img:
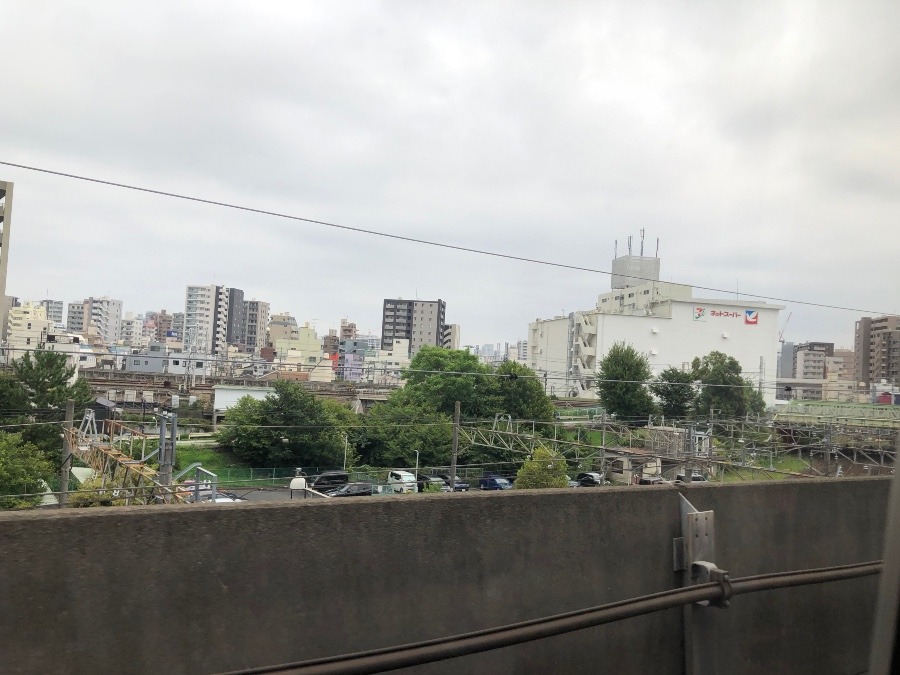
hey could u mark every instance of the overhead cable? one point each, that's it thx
(416, 240)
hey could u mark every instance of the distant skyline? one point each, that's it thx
(758, 141)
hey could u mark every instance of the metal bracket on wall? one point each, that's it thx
(692, 555)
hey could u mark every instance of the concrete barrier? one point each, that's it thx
(206, 588)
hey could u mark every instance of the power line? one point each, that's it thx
(416, 240)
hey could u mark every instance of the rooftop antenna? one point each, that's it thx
(642, 242)
(657, 247)
(629, 244)
(616, 249)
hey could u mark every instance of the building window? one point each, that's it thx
(137, 362)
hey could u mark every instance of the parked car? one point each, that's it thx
(651, 480)
(358, 489)
(402, 481)
(590, 479)
(494, 483)
(458, 485)
(425, 481)
(328, 480)
(695, 478)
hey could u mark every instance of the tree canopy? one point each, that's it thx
(22, 468)
(419, 416)
(37, 391)
(48, 381)
(290, 427)
(722, 388)
(544, 469)
(675, 390)
(621, 387)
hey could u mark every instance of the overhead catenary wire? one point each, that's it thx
(415, 240)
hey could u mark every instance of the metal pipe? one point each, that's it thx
(402, 656)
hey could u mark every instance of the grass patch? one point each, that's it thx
(213, 459)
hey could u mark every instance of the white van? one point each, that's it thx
(402, 481)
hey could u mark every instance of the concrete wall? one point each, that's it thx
(203, 588)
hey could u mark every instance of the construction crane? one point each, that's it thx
(781, 333)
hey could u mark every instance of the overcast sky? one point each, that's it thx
(759, 141)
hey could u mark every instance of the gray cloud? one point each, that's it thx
(758, 141)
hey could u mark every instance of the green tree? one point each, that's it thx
(22, 468)
(35, 397)
(437, 378)
(398, 427)
(722, 388)
(48, 381)
(543, 469)
(521, 394)
(622, 390)
(675, 390)
(290, 427)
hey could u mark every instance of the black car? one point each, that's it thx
(458, 485)
(352, 490)
(329, 480)
(590, 479)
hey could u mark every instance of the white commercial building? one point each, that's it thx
(662, 321)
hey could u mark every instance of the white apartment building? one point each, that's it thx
(101, 316)
(661, 320)
(206, 319)
(451, 336)
(385, 366)
(105, 314)
(27, 326)
(30, 329)
(54, 309)
(131, 333)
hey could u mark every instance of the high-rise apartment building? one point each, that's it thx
(54, 309)
(75, 317)
(422, 322)
(450, 339)
(877, 349)
(206, 319)
(101, 316)
(810, 360)
(105, 315)
(256, 323)
(234, 331)
(6, 195)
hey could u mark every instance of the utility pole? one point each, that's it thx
(762, 368)
(455, 447)
(167, 449)
(66, 453)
